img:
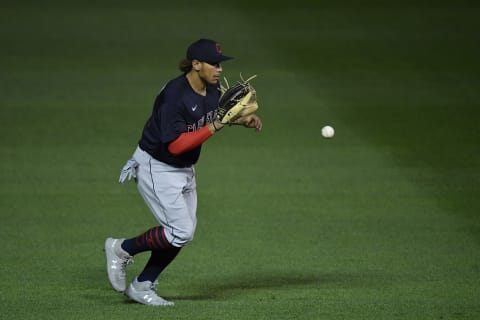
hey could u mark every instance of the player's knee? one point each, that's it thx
(184, 235)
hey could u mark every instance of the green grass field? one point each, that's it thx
(380, 222)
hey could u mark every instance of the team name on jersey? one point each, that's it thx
(203, 121)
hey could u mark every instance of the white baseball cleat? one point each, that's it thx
(144, 292)
(117, 262)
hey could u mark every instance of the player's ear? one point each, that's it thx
(196, 65)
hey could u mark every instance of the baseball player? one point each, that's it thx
(184, 116)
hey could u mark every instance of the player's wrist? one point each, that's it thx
(217, 125)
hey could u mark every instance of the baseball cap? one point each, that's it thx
(206, 50)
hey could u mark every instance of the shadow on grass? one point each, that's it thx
(225, 288)
(228, 287)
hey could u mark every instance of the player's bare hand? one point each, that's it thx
(251, 121)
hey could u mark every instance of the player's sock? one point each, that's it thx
(158, 261)
(151, 240)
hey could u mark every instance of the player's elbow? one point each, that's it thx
(175, 149)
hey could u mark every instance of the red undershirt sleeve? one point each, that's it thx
(189, 140)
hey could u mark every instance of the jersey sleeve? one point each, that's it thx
(172, 120)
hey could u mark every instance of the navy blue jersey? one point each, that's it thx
(178, 109)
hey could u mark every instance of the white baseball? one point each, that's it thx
(328, 132)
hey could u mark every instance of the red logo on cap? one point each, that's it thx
(217, 46)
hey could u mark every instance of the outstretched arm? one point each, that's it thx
(250, 121)
(190, 140)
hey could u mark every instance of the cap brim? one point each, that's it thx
(225, 58)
